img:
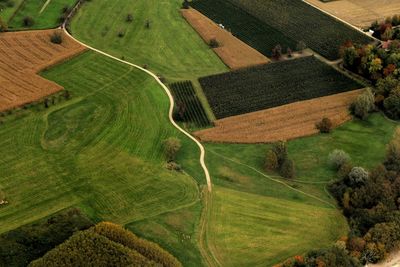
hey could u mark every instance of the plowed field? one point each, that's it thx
(281, 123)
(22, 56)
(360, 13)
(232, 51)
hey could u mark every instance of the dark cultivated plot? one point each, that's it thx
(273, 85)
(302, 22)
(246, 27)
(188, 105)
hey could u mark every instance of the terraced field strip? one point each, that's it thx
(281, 123)
(273, 85)
(302, 22)
(189, 108)
(23, 54)
(244, 26)
(360, 13)
(232, 51)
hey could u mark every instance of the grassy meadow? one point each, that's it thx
(100, 151)
(43, 19)
(169, 47)
(260, 219)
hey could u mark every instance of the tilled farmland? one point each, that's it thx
(232, 51)
(273, 85)
(23, 55)
(281, 123)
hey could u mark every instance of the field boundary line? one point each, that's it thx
(273, 179)
(171, 100)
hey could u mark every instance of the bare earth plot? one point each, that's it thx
(360, 13)
(22, 56)
(281, 123)
(232, 51)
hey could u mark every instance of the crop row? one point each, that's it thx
(273, 85)
(188, 106)
(244, 26)
(302, 22)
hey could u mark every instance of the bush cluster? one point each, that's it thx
(371, 203)
(277, 159)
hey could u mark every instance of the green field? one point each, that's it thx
(170, 46)
(43, 19)
(261, 219)
(101, 150)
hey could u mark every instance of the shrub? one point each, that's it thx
(213, 43)
(280, 150)
(56, 38)
(129, 18)
(185, 4)
(325, 125)
(392, 162)
(171, 148)
(121, 34)
(3, 26)
(338, 158)
(271, 161)
(28, 21)
(287, 169)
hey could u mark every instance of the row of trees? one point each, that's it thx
(388, 29)
(107, 244)
(382, 67)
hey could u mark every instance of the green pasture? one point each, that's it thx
(101, 150)
(170, 47)
(49, 17)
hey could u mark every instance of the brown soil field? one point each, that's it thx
(22, 56)
(281, 123)
(232, 51)
(360, 13)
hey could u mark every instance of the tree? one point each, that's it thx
(364, 104)
(213, 43)
(271, 161)
(301, 46)
(129, 18)
(375, 65)
(358, 176)
(277, 52)
(56, 38)
(171, 148)
(392, 104)
(28, 21)
(386, 86)
(147, 24)
(350, 55)
(287, 169)
(280, 150)
(185, 4)
(338, 158)
(325, 125)
(392, 162)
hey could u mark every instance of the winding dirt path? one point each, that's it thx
(171, 108)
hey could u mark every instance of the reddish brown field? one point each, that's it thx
(281, 123)
(232, 51)
(22, 56)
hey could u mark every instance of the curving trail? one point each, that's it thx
(171, 108)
